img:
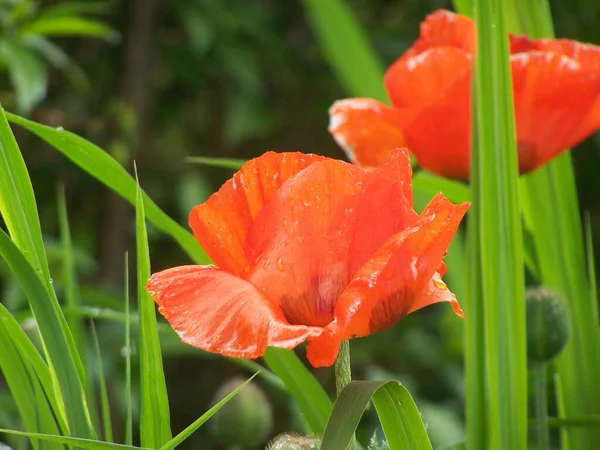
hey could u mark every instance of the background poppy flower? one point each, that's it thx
(308, 248)
(556, 92)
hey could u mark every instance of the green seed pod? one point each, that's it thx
(547, 325)
(246, 419)
(294, 441)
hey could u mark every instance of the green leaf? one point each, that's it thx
(398, 414)
(155, 427)
(27, 73)
(108, 171)
(127, 347)
(427, 182)
(346, 48)
(68, 26)
(226, 163)
(200, 421)
(551, 213)
(311, 398)
(500, 244)
(50, 328)
(80, 443)
(104, 405)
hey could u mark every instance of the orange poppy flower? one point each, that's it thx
(308, 248)
(556, 91)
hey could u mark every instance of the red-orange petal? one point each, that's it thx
(393, 282)
(221, 224)
(321, 227)
(218, 312)
(366, 130)
(444, 28)
(432, 92)
(553, 97)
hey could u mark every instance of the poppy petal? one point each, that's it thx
(323, 225)
(366, 130)
(218, 312)
(587, 55)
(393, 282)
(432, 92)
(553, 98)
(436, 292)
(444, 28)
(222, 222)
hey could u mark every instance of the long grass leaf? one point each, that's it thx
(155, 429)
(346, 47)
(108, 171)
(104, 405)
(127, 356)
(398, 414)
(203, 418)
(551, 213)
(501, 238)
(56, 342)
(79, 442)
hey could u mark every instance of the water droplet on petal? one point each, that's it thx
(280, 265)
(439, 284)
(429, 293)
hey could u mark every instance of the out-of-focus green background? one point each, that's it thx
(158, 81)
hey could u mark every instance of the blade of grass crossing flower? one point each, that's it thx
(398, 414)
(155, 428)
(225, 163)
(108, 171)
(57, 346)
(104, 405)
(501, 234)
(313, 401)
(127, 355)
(79, 442)
(464, 7)
(551, 212)
(346, 47)
(203, 418)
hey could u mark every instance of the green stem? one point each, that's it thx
(343, 376)
(343, 371)
(541, 406)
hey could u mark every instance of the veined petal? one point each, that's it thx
(221, 224)
(554, 96)
(432, 91)
(321, 227)
(218, 312)
(393, 282)
(444, 28)
(366, 130)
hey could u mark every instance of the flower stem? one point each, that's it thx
(343, 372)
(541, 406)
(343, 376)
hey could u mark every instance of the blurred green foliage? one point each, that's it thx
(218, 79)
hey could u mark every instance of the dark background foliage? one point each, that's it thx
(226, 78)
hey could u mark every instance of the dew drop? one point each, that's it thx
(280, 265)
(429, 293)
(440, 284)
(60, 129)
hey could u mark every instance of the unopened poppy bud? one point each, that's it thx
(547, 325)
(294, 441)
(246, 419)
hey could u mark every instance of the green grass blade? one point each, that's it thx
(225, 163)
(501, 235)
(464, 7)
(155, 429)
(104, 405)
(56, 342)
(202, 419)
(127, 350)
(346, 48)
(79, 442)
(591, 264)
(398, 414)
(432, 184)
(551, 212)
(108, 171)
(311, 398)
(11, 330)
